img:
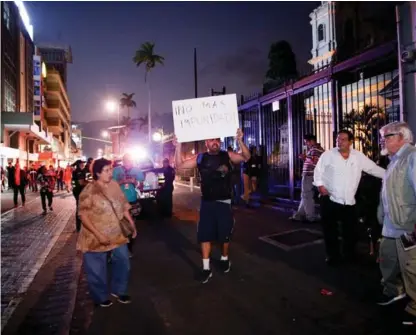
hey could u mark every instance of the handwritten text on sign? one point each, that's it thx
(205, 118)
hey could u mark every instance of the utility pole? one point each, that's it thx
(196, 91)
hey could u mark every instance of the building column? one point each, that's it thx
(291, 148)
(407, 30)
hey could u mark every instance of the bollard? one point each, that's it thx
(191, 183)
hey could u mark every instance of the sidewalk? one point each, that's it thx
(7, 199)
(268, 291)
(39, 267)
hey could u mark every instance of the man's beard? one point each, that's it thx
(214, 148)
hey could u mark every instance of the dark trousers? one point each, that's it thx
(165, 201)
(16, 190)
(60, 184)
(33, 186)
(46, 195)
(77, 218)
(331, 214)
(95, 264)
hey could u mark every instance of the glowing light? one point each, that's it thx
(276, 105)
(157, 137)
(138, 153)
(44, 71)
(105, 134)
(111, 106)
(193, 152)
(25, 18)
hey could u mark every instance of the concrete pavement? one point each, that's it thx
(268, 291)
(7, 199)
(40, 267)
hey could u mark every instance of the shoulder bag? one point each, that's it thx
(125, 226)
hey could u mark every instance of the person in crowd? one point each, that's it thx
(337, 175)
(2, 179)
(59, 179)
(306, 210)
(46, 182)
(165, 194)
(78, 184)
(102, 205)
(235, 181)
(127, 176)
(18, 181)
(33, 178)
(251, 173)
(8, 169)
(216, 222)
(88, 172)
(68, 177)
(397, 214)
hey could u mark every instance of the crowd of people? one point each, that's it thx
(107, 206)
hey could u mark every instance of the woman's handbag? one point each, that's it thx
(125, 226)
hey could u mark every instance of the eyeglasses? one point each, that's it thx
(390, 135)
(387, 136)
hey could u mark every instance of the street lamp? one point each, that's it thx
(157, 137)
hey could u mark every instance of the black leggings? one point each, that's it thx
(46, 195)
(16, 190)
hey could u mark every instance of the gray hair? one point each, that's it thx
(401, 128)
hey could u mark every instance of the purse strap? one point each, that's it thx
(111, 204)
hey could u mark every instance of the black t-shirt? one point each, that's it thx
(78, 175)
(215, 172)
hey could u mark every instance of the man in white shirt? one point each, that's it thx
(337, 176)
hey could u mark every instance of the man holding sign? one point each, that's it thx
(216, 220)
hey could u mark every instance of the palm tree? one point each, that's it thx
(126, 101)
(146, 56)
(365, 125)
(131, 124)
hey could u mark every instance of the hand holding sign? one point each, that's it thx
(205, 118)
(239, 135)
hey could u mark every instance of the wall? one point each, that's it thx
(408, 35)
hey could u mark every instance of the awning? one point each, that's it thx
(31, 131)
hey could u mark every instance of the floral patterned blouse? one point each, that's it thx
(97, 208)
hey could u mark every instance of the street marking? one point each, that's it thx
(185, 185)
(286, 247)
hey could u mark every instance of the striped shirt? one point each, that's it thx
(312, 157)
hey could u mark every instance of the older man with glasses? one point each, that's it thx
(397, 214)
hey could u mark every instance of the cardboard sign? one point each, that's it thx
(205, 118)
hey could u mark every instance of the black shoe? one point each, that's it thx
(44, 212)
(409, 320)
(124, 299)
(106, 303)
(51, 209)
(385, 300)
(206, 275)
(225, 266)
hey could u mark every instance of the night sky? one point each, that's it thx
(232, 40)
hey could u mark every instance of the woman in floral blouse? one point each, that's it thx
(101, 234)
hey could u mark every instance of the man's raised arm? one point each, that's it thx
(238, 158)
(180, 163)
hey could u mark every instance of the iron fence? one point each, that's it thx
(360, 95)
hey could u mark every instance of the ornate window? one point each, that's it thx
(321, 33)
